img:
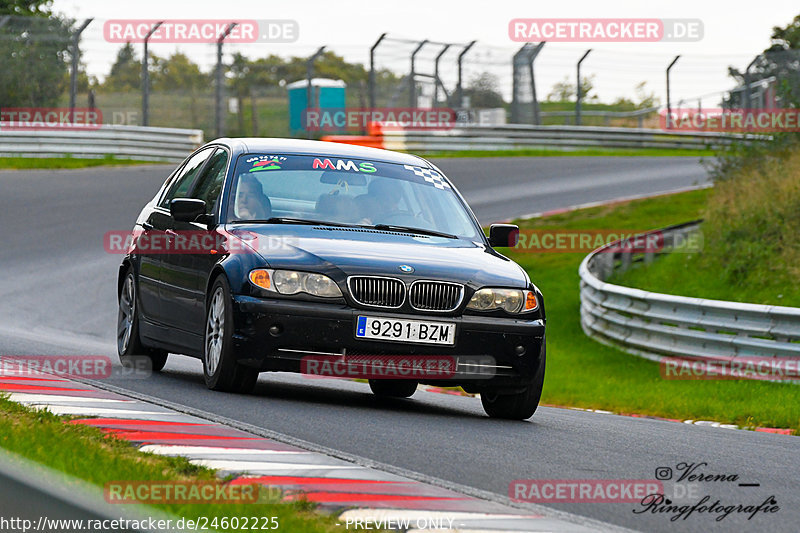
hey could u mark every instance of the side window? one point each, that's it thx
(209, 185)
(179, 187)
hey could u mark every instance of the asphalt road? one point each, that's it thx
(57, 296)
(502, 188)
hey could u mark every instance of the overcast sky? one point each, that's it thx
(733, 34)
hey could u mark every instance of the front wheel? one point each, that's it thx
(393, 388)
(129, 346)
(220, 369)
(517, 405)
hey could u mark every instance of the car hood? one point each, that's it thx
(356, 251)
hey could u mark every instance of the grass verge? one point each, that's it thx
(751, 251)
(584, 373)
(91, 455)
(24, 163)
(589, 152)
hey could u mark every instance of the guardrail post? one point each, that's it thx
(220, 110)
(146, 77)
(75, 52)
(578, 91)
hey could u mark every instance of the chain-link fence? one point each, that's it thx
(71, 63)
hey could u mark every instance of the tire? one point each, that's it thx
(220, 369)
(393, 388)
(519, 405)
(130, 349)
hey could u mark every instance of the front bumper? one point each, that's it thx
(275, 334)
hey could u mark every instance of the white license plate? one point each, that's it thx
(394, 329)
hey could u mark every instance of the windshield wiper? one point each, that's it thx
(290, 220)
(419, 231)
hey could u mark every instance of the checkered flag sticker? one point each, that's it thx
(431, 176)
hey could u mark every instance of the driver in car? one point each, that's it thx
(381, 202)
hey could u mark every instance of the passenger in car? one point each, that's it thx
(251, 202)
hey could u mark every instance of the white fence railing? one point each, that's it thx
(514, 137)
(655, 325)
(123, 142)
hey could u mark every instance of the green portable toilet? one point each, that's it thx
(326, 93)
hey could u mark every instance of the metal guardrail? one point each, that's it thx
(511, 137)
(123, 142)
(655, 326)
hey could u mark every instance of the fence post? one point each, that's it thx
(73, 75)
(579, 92)
(146, 77)
(220, 111)
(372, 71)
(412, 83)
(669, 103)
(436, 80)
(460, 88)
(536, 118)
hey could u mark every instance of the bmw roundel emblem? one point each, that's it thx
(406, 268)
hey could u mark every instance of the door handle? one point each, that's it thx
(170, 233)
(147, 226)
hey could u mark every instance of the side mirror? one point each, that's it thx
(187, 209)
(503, 235)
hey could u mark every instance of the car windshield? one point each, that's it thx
(346, 191)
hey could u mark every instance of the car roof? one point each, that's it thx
(318, 148)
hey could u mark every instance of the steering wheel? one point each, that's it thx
(403, 218)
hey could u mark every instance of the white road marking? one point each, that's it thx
(243, 466)
(162, 449)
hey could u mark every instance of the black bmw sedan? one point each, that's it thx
(329, 259)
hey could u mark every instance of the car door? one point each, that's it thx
(183, 292)
(171, 265)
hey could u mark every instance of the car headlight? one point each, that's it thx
(509, 300)
(292, 282)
